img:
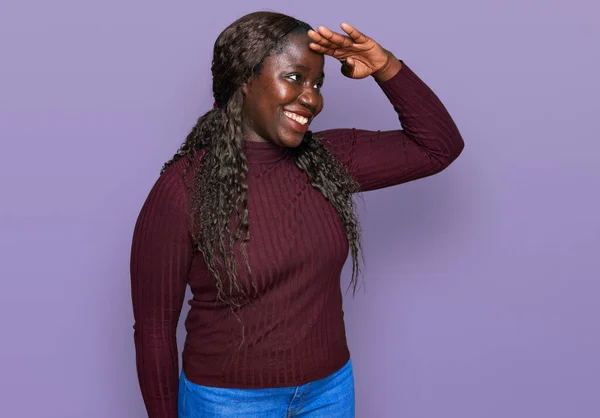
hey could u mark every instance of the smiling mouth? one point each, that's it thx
(300, 119)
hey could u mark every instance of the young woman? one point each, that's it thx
(255, 212)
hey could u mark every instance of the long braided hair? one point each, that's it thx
(218, 195)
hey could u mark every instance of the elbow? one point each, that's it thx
(457, 145)
(457, 149)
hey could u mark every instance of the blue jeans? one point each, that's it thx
(331, 397)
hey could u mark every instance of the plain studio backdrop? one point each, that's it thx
(481, 283)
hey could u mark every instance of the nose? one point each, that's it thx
(309, 97)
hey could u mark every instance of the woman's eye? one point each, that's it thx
(298, 78)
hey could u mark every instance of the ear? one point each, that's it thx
(247, 85)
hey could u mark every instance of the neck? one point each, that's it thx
(264, 152)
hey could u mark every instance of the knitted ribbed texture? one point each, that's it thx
(293, 332)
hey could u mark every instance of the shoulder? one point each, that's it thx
(184, 168)
(339, 142)
(336, 140)
(333, 135)
(170, 190)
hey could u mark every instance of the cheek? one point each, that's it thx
(284, 93)
(319, 107)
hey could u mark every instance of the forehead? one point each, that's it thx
(295, 51)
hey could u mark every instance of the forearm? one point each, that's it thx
(429, 142)
(158, 372)
(424, 118)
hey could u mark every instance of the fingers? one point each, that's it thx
(323, 45)
(334, 52)
(338, 40)
(318, 39)
(327, 42)
(321, 49)
(354, 33)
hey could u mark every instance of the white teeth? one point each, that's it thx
(300, 119)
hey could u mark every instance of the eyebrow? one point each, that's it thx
(304, 67)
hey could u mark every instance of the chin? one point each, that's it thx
(291, 142)
(295, 144)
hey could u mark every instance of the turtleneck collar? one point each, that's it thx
(264, 152)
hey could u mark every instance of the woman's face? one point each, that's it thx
(281, 102)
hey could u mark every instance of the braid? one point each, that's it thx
(222, 190)
(328, 176)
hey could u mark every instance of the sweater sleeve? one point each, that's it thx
(429, 142)
(161, 255)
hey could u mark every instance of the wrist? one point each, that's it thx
(389, 69)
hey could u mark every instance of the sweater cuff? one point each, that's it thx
(401, 76)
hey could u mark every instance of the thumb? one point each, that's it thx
(348, 67)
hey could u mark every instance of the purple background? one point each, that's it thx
(482, 283)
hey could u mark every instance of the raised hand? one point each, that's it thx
(360, 55)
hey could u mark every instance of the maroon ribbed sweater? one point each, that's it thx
(294, 332)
